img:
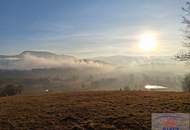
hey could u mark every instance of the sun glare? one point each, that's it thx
(147, 42)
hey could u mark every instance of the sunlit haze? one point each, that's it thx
(147, 42)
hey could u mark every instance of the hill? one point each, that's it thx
(100, 110)
(28, 60)
(138, 60)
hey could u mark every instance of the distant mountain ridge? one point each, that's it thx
(137, 60)
(44, 59)
(36, 53)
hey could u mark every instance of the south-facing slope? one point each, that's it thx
(116, 110)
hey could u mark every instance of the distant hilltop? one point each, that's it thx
(44, 59)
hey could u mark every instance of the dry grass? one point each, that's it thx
(117, 110)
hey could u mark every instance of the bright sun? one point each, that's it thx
(147, 42)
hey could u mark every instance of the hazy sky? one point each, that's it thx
(89, 28)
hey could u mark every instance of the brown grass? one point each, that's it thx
(116, 110)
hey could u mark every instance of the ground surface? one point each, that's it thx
(117, 110)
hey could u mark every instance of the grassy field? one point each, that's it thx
(115, 110)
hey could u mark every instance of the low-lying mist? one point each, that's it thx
(47, 72)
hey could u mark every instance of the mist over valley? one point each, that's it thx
(38, 71)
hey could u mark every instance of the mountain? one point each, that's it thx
(43, 59)
(45, 54)
(42, 54)
(38, 54)
(138, 60)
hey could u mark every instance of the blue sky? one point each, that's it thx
(89, 28)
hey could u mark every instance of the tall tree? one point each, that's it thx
(185, 54)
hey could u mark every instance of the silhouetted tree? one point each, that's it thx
(185, 54)
(10, 90)
(186, 83)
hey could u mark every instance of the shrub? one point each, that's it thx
(186, 83)
(10, 90)
(127, 88)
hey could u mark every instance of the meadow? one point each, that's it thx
(95, 110)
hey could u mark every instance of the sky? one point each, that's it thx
(90, 28)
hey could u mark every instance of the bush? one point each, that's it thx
(10, 90)
(127, 88)
(186, 83)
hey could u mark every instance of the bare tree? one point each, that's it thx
(185, 54)
(186, 83)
